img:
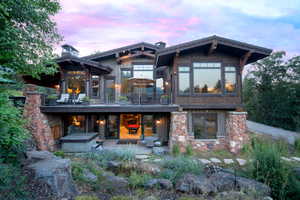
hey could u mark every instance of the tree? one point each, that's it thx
(27, 35)
(272, 91)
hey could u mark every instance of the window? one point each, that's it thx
(76, 82)
(207, 78)
(184, 80)
(143, 71)
(125, 75)
(159, 87)
(230, 79)
(205, 125)
(75, 124)
(95, 86)
(109, 90)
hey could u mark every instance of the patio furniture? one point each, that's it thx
(80, 98)
(63, 98)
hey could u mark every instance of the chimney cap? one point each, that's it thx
(69, 49)
(161, 44)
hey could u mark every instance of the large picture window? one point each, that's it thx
(76, 82)
(230, 79)
(143, 71)
(125, 75)
(184, 80)
(207, 78)
(205, 125)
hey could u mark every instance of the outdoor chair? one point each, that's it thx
(79, 98)
(64, 98)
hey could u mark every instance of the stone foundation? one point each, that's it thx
(37, 122)
(236, 134)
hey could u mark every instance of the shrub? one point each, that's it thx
(60, 154)
(189, 150)
(12, 183)
(122, 198)
(267, 167)
(138, 180)
(178, 166)
(85, 197)
(297, 146)
(77, 171)
(176, 150)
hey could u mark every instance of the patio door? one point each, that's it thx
(112, 127)
(130, 126)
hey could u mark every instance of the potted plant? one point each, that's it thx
(164, 99)
(52, 99)
(86, 100)
(123, 100)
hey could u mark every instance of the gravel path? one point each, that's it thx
(276, 133)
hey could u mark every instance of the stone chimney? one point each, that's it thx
(160, 45)
(69, 50)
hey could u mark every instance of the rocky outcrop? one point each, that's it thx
(220, 182)
(159, 183)
(114, 184)
(53, 171)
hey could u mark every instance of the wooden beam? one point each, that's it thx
(136, 54)
(212, 47)
(244, 59)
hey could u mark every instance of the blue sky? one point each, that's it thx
(98, 25)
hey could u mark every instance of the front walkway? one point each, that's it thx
(276, 133)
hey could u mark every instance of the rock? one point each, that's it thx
(141, 157)
(157, 160)
(233, 195)
(211, 169)
(34, 156)
(296, 158)
(223, 181)
(204, 161)
(114, 183)
(151, 198)
(241, 161)
(150, 168)
(228, 161)
(159, 183)
(56, 173)
(215, 160)
(286, 159)
(157, 143)
(267, 198)
(89, 176)
(190, 183)
(158, 151)
(114, 165)
(249, 185)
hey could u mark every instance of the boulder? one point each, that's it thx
(114, 165)
(159, 151)
(89, 176)
(159, 183)
(249, 185)
(148, 168)
(34, 156)
(55, 172)
(151, 198)
(233, 195)
(190, 183)
(115, 184)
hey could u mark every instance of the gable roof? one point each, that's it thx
(164, 56)
(121, 49)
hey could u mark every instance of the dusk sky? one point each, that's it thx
(99, 25)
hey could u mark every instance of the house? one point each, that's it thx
(186, 94)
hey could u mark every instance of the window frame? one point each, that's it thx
(178, 81)
(192, 115)
(99, 88)
(236, 79)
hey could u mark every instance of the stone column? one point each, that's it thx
(236, 130)
(178, 130)
(37, 121)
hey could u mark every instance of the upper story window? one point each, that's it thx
(143, 71)
(95, 85)
(207, 78)
(76, 82)
(125, 75)
(184, 80)
(230, 79)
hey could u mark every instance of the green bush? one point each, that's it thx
(267, 167)
(176, 167)
(60, 154)
(85, 197)
(189, 151)
(13, 134)
(297, 146)
(138, 180)
(12, 183)
(176, 150)
(77, 171)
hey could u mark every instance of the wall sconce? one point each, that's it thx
(167, 83)
(101, 122)
(158, 122)
(57, 87)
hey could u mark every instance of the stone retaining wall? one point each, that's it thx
(236, 134)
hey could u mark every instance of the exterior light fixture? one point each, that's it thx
(158, 122)
(101, 122)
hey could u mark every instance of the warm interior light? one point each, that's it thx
(101, 122)
(77, 91)
(57, 87)
(167, 83)
(158, 122)
(69, 90)
(75, 122)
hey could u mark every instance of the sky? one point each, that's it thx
(98, 25)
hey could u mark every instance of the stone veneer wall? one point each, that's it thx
(236, 134)
(38, 123)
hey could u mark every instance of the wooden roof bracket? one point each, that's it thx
(244, 59)
(212, 47)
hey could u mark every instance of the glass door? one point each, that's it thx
(130, 126)
(112, 127)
